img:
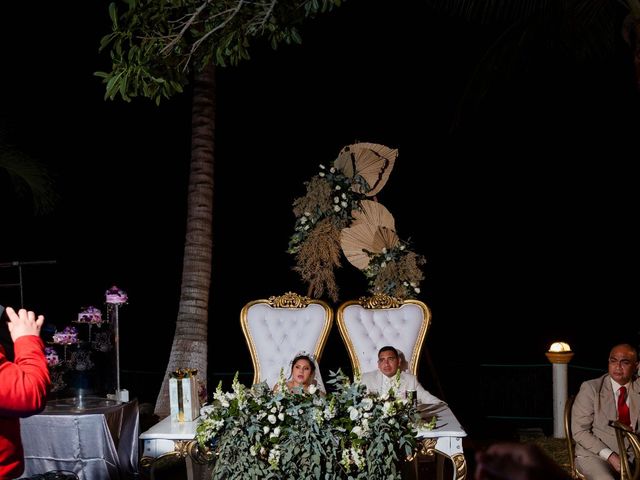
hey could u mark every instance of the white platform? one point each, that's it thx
(445, 439)
(161, 438)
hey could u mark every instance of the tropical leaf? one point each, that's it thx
(533, 34)
(30, 178)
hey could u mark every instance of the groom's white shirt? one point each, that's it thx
(377, 382)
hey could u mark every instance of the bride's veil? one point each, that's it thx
(317, 376)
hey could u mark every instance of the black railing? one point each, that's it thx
(520, 395)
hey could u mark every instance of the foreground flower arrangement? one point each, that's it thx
(256, 433)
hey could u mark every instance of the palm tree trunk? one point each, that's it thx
(189, 349)
(631, 34)
(636, 50)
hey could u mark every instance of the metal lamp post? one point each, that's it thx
(559, 354)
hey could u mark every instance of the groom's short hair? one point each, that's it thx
(388, 348)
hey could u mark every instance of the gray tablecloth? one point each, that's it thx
(100, 443)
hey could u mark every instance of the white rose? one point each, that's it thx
(272, 419)
(206, 409)
(354, 414)
(312, 389)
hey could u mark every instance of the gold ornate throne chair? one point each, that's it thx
(626, 438)
(370, 323)
(573, 470)
(277, 328)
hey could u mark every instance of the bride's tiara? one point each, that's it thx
(304, 353)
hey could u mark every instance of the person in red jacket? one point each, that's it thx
(23, 386)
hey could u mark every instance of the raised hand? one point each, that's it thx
(23, 323)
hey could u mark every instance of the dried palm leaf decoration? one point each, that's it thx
(371, 231)
(374, 213)
(368, 164)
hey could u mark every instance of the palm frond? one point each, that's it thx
(532, 35)
(29, 178)
(495, 11)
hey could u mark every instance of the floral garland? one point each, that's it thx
(320, 216)
(329, 195)
(395, 271)
(256, 433)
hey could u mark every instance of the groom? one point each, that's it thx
(381, 380)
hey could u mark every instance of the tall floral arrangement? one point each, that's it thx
(72, 349)
(320, 216)
(256, 433)
(339, 214)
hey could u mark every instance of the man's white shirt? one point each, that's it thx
(377, 382)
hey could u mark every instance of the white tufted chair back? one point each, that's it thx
(370, 323)
(277, 328)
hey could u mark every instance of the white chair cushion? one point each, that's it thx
(277, 334)
(369, 329)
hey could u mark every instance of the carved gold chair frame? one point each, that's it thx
(278, 327)
(369, 323)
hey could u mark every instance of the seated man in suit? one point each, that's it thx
(386, 377)
(615, 395)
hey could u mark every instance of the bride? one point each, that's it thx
(305, 375)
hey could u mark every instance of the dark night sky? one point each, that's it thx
(525, 213)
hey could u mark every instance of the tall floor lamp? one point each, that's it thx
(559, 354)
